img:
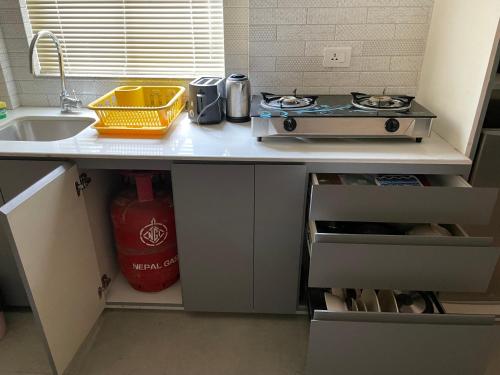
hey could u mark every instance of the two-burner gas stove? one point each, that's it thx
(333, 116)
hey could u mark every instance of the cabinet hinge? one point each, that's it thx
(105, 281)
(82, 183)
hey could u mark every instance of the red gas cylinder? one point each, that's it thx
(144, 228)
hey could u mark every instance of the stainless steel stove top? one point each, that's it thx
(356, 116)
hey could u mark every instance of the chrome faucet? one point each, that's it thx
(69, 103)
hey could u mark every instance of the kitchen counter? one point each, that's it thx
(229, 142)
(249, 204)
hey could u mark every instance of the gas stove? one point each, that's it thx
(339, 116)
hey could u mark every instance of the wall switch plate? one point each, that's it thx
(337, 57)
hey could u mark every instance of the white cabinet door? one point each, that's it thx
(50, 236)
(12, 183)
(214, 208)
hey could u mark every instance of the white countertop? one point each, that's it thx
(230, 142)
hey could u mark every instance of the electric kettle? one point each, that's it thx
(237, 98)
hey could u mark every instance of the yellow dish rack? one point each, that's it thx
(138, 111)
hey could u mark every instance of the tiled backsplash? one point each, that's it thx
(279, 42)
(287, 38)
(236, 36)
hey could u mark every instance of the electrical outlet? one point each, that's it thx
(337, 57)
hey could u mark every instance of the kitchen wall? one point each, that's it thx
(236, 36)
(8, 90)
(387, 37)
(279, 42)
(454, 85)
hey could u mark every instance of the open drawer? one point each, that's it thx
(370, 343)
(456, 263)
(446, 199)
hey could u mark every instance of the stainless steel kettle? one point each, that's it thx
(237, 98)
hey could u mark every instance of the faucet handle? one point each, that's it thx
(70, 103)
(78, 102)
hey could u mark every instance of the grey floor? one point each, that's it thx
(136, 342)
(169, 343)
(22, 350)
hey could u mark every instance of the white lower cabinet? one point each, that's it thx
(214, 221)
(50, 236)
(59, 231)
(443, 199)
(372, 343)
(239, 233)
(368, 343)
(61, 239)
(457, 263)
(13, 181)
(56, 222)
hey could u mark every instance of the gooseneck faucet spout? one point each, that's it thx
(68, 103)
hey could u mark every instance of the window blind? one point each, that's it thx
(131, 38)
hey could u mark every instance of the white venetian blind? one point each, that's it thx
(135, 38)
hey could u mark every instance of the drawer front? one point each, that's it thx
(359, 344)
(459, 237)
(453, 202)
(414, 267)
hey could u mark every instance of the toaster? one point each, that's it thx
(205, 102)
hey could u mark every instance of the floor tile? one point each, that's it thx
(164, 343)
(22, 350)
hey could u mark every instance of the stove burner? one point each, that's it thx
(381, 102)
(288, 101)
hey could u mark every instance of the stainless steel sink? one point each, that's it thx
(43, 129)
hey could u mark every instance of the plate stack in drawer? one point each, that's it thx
(381, 343)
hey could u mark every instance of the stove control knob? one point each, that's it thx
(392, 125)
(290, 124)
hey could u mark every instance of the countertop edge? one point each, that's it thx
(228, 142)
